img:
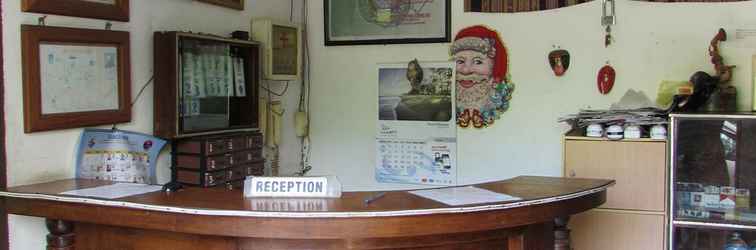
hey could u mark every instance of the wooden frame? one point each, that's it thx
(32, 39)
(168, 95)
(119, 11)
(442, 36)
(4, 232)
(234, 4)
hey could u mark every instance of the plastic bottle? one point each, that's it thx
(736, 243)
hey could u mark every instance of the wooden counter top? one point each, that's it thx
(318, 222)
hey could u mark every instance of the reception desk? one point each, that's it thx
(217, 218)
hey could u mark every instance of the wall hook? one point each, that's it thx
(608, 19)
(608, 15)
(108, 26)
(41, 20)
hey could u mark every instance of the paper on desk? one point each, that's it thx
(115, 191)
(456, 196)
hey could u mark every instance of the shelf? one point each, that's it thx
(700, 223)
(738, 218)
(578, 134)
(585, 138)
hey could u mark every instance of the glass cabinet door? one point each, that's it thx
(713, 165)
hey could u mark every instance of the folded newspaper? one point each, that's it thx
(640, 116)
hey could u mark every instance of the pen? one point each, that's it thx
(374, 197)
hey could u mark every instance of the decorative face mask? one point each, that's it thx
(559, 61)
(483, 85)
(605, 79)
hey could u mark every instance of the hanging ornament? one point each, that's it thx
(605, 79)
(560, 61)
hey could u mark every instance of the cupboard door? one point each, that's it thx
(601, 229)
(638, 167)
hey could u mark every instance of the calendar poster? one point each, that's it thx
(416, 141)
(117, 155)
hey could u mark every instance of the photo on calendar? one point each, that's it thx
(414, 92)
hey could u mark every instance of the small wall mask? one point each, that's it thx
(559, 61)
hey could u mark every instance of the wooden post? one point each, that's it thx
(61, 235)
(533, 237)
(561, 233)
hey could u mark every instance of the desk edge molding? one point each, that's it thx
(283, 214)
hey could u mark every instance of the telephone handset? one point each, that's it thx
(301, 123)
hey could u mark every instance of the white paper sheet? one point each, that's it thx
(115, 191)
(457, 196)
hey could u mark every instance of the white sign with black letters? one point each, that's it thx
(286, 187)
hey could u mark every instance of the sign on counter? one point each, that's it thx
(325, 186)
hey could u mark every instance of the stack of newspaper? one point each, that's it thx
(641, 116)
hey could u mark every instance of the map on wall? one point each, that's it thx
(386, 19)
(112, 2)
(78, 78)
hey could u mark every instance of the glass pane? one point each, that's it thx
(214, 91)
(715, 166)
(714, 239)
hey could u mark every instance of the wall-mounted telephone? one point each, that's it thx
(301, 123)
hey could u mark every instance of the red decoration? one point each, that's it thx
(559, 61)
(605, 79)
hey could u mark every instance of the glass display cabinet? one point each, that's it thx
(713, 172)
(204, 84)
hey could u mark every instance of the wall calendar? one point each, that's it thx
(416, 139)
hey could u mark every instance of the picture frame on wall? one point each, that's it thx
(116, 10)
(74, 77)
(282, 41)
(358, 22)
(233, 4)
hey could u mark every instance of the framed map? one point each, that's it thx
(354, 22)
(74, 77)
(117, 10)
(233, 4)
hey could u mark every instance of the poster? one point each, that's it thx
(117, 155)
(416, 139)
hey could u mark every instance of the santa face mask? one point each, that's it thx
(482, 81)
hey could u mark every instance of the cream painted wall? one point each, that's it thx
(47, 156)
(653, 42)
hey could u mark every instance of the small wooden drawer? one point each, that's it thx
(218, 177)
(216, 160)
(256, 169)
(211, 163)
(248, 156)
(204, 179)
(219, 144)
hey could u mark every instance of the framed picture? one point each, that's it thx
(355, 22)
(234, 4)
(74, 77)
(282, 42)
(117, 10)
